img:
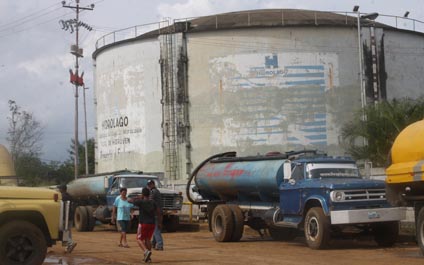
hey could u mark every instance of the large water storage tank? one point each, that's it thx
(251, 81)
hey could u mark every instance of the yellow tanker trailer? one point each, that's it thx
(405, 175)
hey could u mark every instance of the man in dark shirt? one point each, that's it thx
(146, 223)
(67, 197)
(157, 241)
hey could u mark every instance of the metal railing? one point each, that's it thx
(135, 31)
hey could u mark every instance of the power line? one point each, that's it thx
(28, 20)
(22, 18)
(35, 25)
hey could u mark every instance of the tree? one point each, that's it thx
(24, 134)
(81, 156)
(383, 123)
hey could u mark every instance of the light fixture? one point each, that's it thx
(370, 16)
(355, 8)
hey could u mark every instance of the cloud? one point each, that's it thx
(42, 65)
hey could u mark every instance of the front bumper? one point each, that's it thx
(368, 215)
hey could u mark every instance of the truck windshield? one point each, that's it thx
(134, 182)
(315, 170)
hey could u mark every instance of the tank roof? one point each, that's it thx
(255, 18)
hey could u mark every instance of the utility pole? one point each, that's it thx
(85, 125)
(75, 78)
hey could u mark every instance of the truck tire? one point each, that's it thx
(238, 223)
(22, 242)
(91, 221)
(282, 233)
(222, 223)
(317, 228)
(81, 219)
(386, 234)
(420, 229)
(171, 224)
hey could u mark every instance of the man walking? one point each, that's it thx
(157, 241)
(67, 197)
(148, 213)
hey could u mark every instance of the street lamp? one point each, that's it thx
(361, 81)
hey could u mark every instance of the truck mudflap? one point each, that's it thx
(368, 215)
(63, 221)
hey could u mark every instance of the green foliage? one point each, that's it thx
(81, 156)
(383, 123)
(24, 137)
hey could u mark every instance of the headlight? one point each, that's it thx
(178, 202)
(337, 196)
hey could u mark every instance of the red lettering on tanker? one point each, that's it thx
(227, 172)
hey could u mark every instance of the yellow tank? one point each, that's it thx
(407, 155)
(7, 169)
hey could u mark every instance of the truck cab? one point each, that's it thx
(31, 219)
(329, 192)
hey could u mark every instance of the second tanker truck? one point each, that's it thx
(287, 192)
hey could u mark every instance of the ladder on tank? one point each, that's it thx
(170, 123)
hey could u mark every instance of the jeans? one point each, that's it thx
(157, 235)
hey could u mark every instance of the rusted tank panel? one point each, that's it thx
(241, 180)
(87, 187)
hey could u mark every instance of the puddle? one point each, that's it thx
(72, 260)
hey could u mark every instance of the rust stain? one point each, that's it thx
(330, 77)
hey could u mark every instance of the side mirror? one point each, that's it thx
(106, 183)
(287, 169)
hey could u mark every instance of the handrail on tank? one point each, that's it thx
(101, 42)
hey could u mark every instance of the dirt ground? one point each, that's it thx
(199, 247)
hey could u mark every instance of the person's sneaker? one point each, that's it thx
(147, 256)
(159, 248)
(71, 247)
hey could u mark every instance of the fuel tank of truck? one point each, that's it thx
(241, 178)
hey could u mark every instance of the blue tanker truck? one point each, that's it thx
(288, 192)
(94, 197)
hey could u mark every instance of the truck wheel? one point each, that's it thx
(91, 221)
(238, 223)
(81, 219)
(420, 229)
(172, 223)
(386, 234)
(317, 228)
(21, 242)
(222, 223)
(282, 234)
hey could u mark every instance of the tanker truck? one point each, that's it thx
(405, 175)
(94, 197)
(286, 193)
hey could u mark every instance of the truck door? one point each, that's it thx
(113, 192)
(291, 190)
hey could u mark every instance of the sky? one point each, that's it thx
(35, 51)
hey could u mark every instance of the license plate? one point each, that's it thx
(373, 215)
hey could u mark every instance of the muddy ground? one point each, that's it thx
(199, 247)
